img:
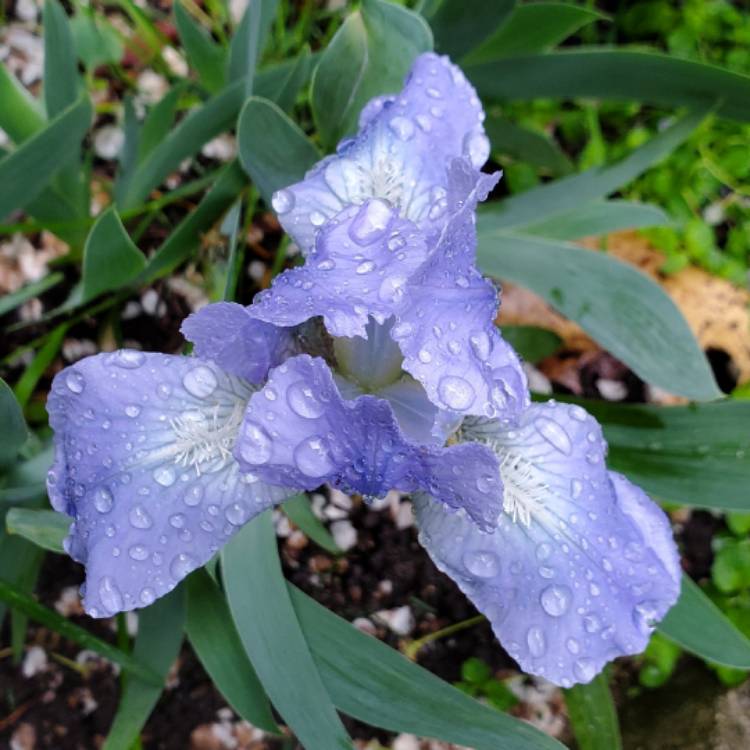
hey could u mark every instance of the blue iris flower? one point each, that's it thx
(374, 366)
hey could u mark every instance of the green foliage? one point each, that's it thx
(593, 716)
(478, 682)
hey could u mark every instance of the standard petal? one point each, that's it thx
(143, 464)
(359, 268)
(401, 155)
(300, 432)
(579, 569)
(236, 341)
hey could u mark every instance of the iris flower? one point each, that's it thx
(374, 366)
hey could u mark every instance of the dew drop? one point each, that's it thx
(303, 402)
(576, 488)
(477, 148)
(392, 288)
(138, 552)
(177, 520)
(482, 563)
(193, 496)
(103, 500)
(132, 410)
(75, 382)
(480, 344)
(584, 669)
(139, 518)
(366, 266)
(371, 222)
(110, 595)
(317, 219)
(200, 382)
(536, 641)
(555, 600)
(165, 476)
(312, 457)
(282, 201)
(554, 434)
(455, 392)
(181, 565)
(402, 127)
(573, 646)
(128, 359)
(256, 446)
(236, 514)
(147, 596)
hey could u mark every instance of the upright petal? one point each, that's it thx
(580, 567)
(300, 432)
(143, 464)
(401, 154)
(236, 341)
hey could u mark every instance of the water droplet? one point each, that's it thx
(424, 123)
(283, 201)
(312, 457)
(576, 488)
(181, 565)
(128, 359)
(366, 266)
(110, 595)
(200, 382)
(75, 381)
(645, 616)
(546, 572)
(592, 624)
(481, 563)
(536, 641)
(165, 476)
(138, 552)
(487, 483)
(455, 392)
(584, 669)
(147, 596)
(103, 500)
(543, 551)
(177, 520)
(132, 410)
(403, 127)
(396, 242)
(303, 402)
(317, 219)
(193, 496)
(434, 93)
(139, 518)
(371, 222)
(555, 600)
(392, 288)
(236, 514)
(554, 434)
(424, 356)
(481, 344)
(477, 148)
(633, 551)
(255, 446)
(573, 646)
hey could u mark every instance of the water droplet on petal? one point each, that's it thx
(132, 410)
(193, 496)
(303, 402)
(236, 514)
(165, 476)
(128, 359)
(456, 393)
(584, 669)
(536, 642)
(312, 457)
(555, 600)
(554, 434)
(110, 595)
(481, 344)
(371, 222)
(103, 500)
(147, 596)
(139, 518)
(75, 381)
(200, 382)
(138, 552)
(483, 564)
(366, 266)
(283, 201)
(392, 288)
(317, 219)
(255, 446)
(181, 565)
(177, 520)
(403, 127)
(477, 148)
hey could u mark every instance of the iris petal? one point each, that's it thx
(581, 565)
(299, 432)
(143, 464)
(400, 155)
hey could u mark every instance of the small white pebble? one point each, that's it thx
(612, 390)
(385, 587)
(340, 498)
(151, 86)
(399, 620)
(256, 270)
(26, 10)
(333, 513)
(538, 381)
(34, 662)
(108, 141)
(150, 301)
(404, 516)
(365, 625)
(344, 534)
(221, 148)
(175, 62)
(406, 742)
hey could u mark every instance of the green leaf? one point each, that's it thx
(599, 217)
(461, 25)
(20, 115)
(623, 309)
(60, 61)
(248, 41)
(14, 432)
(201, 125)
(186, 238)
(96, 40)
(286, 94)
(369, 55)
(569, 193)
(159, 122)
(272, 637)
(110, 259)
(526, 146)
(26, 171)
(205, 56)
(605, 73)
(271, 82)
(301, 515)
(535, 27)
(160, 629)
(376, 684)
(699, 626)
(25, 603)
(697, 455)
(212, 634)
(45, 528)
(272, 149)
(18, 560)
(26, 480)
(532, 344)
(593, 715)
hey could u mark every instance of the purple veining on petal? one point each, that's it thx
(236, 341)
(401, 154)
(143, 464)
(299, 432)
(582, 564)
